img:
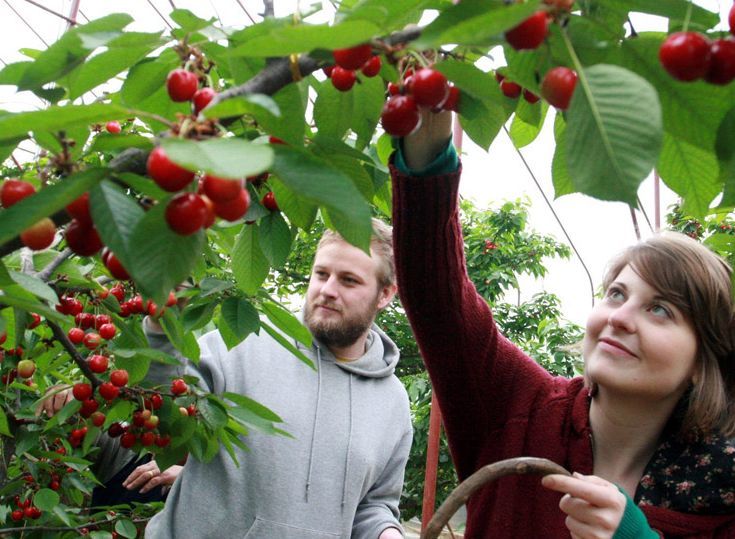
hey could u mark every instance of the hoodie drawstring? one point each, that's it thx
(347, 453)
(316, 415)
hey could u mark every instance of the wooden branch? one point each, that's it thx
(487, 474)
(60, 336)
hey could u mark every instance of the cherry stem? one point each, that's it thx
(687, 17)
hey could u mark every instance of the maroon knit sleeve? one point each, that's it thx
(481, 379)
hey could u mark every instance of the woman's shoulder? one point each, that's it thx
(692, 476)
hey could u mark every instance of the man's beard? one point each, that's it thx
(340, 333)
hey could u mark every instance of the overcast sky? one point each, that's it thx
(598, 229)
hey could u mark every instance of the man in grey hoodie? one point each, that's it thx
(341, 474)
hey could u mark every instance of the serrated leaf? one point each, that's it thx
(115, 215)
(275, 239)
(46, 499)
(188, 21)
(62, 514)
(35, 285)
(4, 427)
(287, 322)
(212, 412)
(299, 211)
(254, 406)
(46, 202)
(614, 132)
(559, 172)
(126, 528)
(163, 259)
(223, 157)
(57, 118)
(240, 317)
(106, 142)
(249, 265)
(691, 172)
(289, 126)
(285, 40)
(256, 105)
(388, 15)
(197, 316)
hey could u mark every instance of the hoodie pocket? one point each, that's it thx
(267, 529)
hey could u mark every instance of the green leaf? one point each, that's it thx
(213, 412)
(106, 142)
(559, 172)
(298, 169)
(62, 514)
(71, 50)
(223, 157)
(249, 265)
(287, 322)
(388, 15)
(527, 122)
(289, 126)
(299, 211)
(144, 79)
(35, 285)
(240, 317)
(285, 40)
(332, 110)
(691, 172)
(368, 99)
(57, 118)
(126, 528)
(287, 344)
(163, 258)
(137, 367)
(725, 149)
(614, 132)
(275, 239)
(115, 215)
(671, 9)
(474, 23)
(121, 410)
(197, 316)
(254, 406)
(123, 52)
(46, 499)
(4, 427)
(257, 105)
(46, 202)
(185, 343)
(188, 21)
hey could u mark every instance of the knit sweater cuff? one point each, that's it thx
(634, 524)
(445, 162)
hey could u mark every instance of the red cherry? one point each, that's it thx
(352, 58)
(202, 98)
(115, 430)
(113, 127)
(13, 191)
(76, 335)
(108, 391)
(186, 213)
(400, 116)
(107, 331)
(269, 201)
(211, 215)
(452, 102)
(92, 341)
(17, 515)
(686, 55)
(98, 419)
(429, 88)
(722, 66)
(530, 33)
(26, 368)
(371, 67)
(101, 319)
(147, 438)
(328, 70)
(35, 322)
(163, 441)
(82, 239)
(119, 377)
(191, 410)
(530, 96)
(39, 236)
(731, 19)
(118, 291)
(275, 140)
(179, 387)
(499, 77)
(81, 391)
(98, 363)
(79, 209)
(54, 485)
(343, 79)
(181, 85)
(84, 320)
(168, 175)
(221, 189)
(136, 304)
(393, 88)
(156, 401)
(115, 268)
(558, 86)
(510, 89)
(234, 209)
(127, 440)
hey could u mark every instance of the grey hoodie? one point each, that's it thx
(340, 475)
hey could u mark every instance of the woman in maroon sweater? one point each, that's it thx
(647, 431)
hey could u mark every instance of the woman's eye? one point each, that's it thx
(660, 310)
(615, 293)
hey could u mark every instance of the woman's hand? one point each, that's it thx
(55, 398)
(147, 476)
(594, 506)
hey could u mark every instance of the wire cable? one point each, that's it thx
(160, 15)
(643, 211)
(553, 212)
(26, 23)
(41, 6)
(246, 11)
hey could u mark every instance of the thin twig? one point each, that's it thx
(246, 11)
(26, 23)
(60, 336)
(67, 19)
(46, 272)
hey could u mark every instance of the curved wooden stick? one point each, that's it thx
(486, 474)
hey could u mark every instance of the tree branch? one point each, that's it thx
(46, 272)
(60, 336)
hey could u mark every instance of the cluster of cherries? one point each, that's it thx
(689, 56)
(25, 510)
(348, 62)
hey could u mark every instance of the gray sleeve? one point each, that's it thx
(110, 458)
(162, 373)
(378, 510)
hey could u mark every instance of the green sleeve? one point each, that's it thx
(634, 524)
(445, 162)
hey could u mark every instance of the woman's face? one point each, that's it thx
(637, 343)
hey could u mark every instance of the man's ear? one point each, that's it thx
(386, 295)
